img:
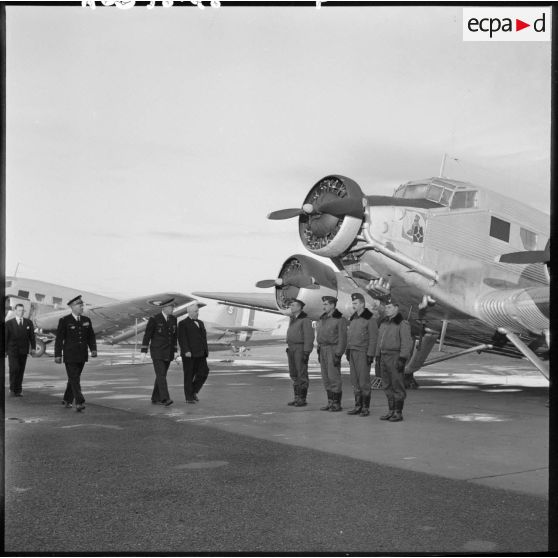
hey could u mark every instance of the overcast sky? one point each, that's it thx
(146, 147)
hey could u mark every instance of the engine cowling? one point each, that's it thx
(324, 234)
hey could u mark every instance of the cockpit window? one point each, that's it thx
(23, 294)
(464, 200)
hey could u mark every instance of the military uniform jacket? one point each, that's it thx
(332, 330)
(160, 337)
(363, 333)
(394, 336)
(301, 332)
(192, 338)
(73, 338)
(19, 337)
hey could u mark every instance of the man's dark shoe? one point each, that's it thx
(387, 416)
(167, 402)
(397, 417)
(154, 402)
(190, 401)
(80, 407)
(196, 397)
(18, 394)
(66, 405)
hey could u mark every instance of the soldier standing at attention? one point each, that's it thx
(73, 337)
(160, 338)
(332, 341)
(394, 347)
(361, 348)
(300, 342)
(20, 337)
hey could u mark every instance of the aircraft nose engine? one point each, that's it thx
(330, 217)
(304, 278)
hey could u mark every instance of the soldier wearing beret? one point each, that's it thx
(300, 342)
(393, 349)
(73, 337)
(332, 341)
(161, 339)
(361, 348)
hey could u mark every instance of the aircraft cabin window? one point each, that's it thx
(39, 297)
(499, 229)
(56, 300)
(23, 294)
(464, 200)
(529, 239)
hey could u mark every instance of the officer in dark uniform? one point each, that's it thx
(73, 337)
(20, 336)
(361, 348)
(332, 341)
(393, 349)
(300, 342)
(160, 338)
(192, 337)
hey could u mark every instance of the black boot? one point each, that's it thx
(336, 405)
(391, 406)
(302, 397)
(365, 405)
(358, 406)
(398, 414)
(294, 401)
(329, 402)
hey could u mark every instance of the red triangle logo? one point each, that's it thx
(519, 25)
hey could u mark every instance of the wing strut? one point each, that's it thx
(527, 352)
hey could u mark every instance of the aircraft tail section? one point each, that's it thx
(237, 320)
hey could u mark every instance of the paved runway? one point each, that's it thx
(467, 471)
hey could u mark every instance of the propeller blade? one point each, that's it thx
(343, 206)
(285, 213)
(266, 283)
(527, 257)
(421, 203)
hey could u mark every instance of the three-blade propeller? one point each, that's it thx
(353, 207)
(300, 281)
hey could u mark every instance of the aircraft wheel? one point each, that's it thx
(40, 349)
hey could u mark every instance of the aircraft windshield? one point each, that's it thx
(448, 195)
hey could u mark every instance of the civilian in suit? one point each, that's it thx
(160, 338)
(192, 338)
(74, 336)
(20, 335)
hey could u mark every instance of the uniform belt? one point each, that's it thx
(390, 352)
(327, 344)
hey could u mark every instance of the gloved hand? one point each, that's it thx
(93, 354)
(348, 354)
(306, 358)
(401, 364)
(369, 360)
(287, 350)
(143, 357)
(58, 360)
(337, 361)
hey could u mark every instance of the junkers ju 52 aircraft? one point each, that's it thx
(469, 267)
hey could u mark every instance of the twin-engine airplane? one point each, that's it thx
(468, 267)
(117, 321)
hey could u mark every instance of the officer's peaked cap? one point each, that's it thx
(302, 304)
(167, 302)
(75, 300)
(357, 296)
(330, 299)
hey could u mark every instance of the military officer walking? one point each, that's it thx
(20, 338)
(393, 349)
(332, 342)
(300, 342)
(192, 337)
(160, 338)
(361, 348)
(73, 337)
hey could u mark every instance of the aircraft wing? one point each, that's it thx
(238, 329)
(117, 321)
(264, 302)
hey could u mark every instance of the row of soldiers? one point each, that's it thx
(364, 343)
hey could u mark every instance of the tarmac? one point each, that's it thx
(467, 471)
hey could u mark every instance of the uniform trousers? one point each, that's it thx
(195, 374)
(393, 377)
(160, 387)
(331, 374)
(298, 369)
(360, 372)
(16, 364)
(73, 387)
